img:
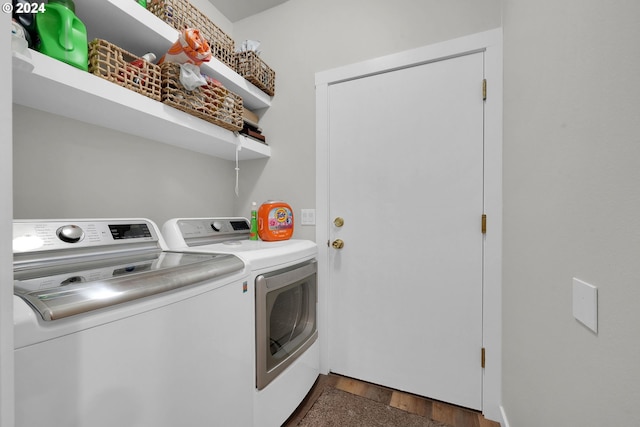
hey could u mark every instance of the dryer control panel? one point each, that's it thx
(205, 231)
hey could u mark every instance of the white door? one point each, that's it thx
(406, 175)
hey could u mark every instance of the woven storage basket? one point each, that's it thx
(211, 102)
(249, 65)
(112, 63)
(181, 14)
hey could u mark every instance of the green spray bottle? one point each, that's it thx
(253, 233)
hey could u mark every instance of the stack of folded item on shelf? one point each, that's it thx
(250, 126)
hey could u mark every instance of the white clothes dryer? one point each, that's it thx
(284, 279)
(112, 329)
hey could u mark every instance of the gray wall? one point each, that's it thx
(6, 230)
(68, 169)
(64, 168)
(298, 38)
(571, 209)
(302, 37)
(571, 175)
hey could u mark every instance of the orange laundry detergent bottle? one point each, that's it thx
(275, 221)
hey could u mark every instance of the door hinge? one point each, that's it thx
(482, 357)
(484, 223)
(484, 89)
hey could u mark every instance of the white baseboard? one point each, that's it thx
(503, 422)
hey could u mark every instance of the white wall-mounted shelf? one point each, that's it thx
(130, 26)
(50, 85)
(46, 84)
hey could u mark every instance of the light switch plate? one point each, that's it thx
(585, 304)
(308, 216)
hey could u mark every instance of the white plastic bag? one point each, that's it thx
(190, 76)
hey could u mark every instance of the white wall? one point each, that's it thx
(302, 37)
(68, 169)
(297, 42)
(571, 174)
(6, 267)
(208, 8)
(571, 209)
(64, 168)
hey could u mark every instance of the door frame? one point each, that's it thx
(490, 42)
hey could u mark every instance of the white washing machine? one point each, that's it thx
(284, 279)
(111, 329)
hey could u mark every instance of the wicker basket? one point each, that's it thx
(181, 14)
(249, 65)
(112, 63)
(212, 103)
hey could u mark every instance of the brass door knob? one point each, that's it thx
(337, 244)
(338, 222)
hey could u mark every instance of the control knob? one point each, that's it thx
(216, 225)
(70, 233)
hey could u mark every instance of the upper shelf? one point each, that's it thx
(47, 84)
(50, 85)
(131, 27)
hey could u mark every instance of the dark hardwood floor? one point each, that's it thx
(452, 415)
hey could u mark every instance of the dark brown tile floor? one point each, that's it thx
(452, 415)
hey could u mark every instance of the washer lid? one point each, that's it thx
(260, 254)
(63, 290)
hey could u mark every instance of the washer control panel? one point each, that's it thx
(37, 236)
(70, 233)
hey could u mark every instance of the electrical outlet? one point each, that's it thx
(308, 216)
(585, 304)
